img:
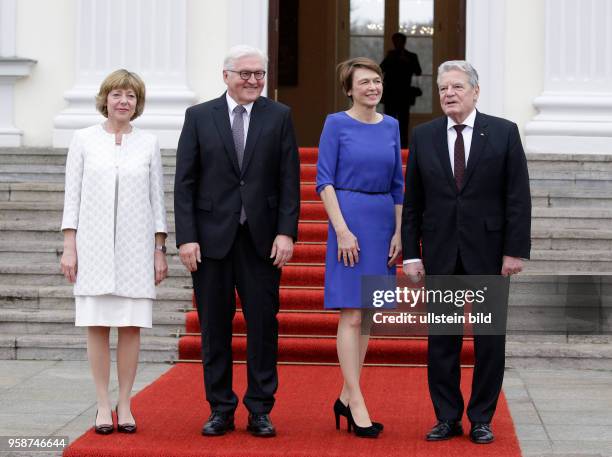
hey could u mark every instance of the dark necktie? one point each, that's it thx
(238, 134)
(459, 156)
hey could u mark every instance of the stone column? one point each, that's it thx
(11, 69)
(484, 48)
(145, 36)
(575, 109)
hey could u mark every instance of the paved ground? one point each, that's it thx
(556, 411)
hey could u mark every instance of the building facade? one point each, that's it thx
(545, 64)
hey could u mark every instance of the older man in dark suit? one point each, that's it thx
(236, 201)
(467, 210)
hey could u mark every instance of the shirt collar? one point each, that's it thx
(469, 121)
(231, 104)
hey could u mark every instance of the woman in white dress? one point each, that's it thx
(114, 227)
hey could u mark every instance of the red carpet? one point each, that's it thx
(171, 411)
(170, 414)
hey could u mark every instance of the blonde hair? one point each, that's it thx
(347, 68)
(121, 79)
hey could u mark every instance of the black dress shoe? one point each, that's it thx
(125, 427)
(445, 430)
(218, 423)
(261, 425)
(103, 429)
(481, 433)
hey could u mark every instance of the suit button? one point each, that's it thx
(242, 183)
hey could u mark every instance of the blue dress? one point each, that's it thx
(366, 159)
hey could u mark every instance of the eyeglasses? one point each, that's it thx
(246, 75)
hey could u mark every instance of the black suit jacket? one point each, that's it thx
(489, 217)
(209, 186)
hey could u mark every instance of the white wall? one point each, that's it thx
(524, 62)
(45, 32)
(207, 44)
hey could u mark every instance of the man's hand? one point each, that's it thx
(511, 265)
(282, 250)
(395, 249)
(414, 270)
(190, 255)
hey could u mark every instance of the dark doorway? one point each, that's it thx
(308, 38)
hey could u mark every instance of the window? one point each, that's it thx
(416, 22)
(367, 33)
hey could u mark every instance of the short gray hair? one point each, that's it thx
(240, 51)
(461, 65)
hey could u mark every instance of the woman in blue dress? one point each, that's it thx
(359, 179)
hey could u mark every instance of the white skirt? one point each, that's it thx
(113, 311)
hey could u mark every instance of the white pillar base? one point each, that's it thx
(575, 109)
(148, 37)
(163, 115)
(10, 138)
(11, 69)
(570, 123)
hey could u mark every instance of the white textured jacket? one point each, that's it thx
(114, 199)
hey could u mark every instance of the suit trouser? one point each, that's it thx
(257, 282)
(444, 373)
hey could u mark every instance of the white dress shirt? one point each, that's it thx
(246, 116)
(451, 135)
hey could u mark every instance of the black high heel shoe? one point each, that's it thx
(341, 410)
(104, 429)
(362, 432)
(124, 428)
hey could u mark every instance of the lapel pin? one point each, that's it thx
(481, 134)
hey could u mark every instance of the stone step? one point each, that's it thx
(573, 352)
(564, 196)
(48, 173)
(542, 262)
(26, 235)
(525, 290)
(569, 262)
(50, 156)
(48, 274)
(521, 350)
(61, 322)
(74, 347)
(569, 162)
(34, 156)
(577, 217)
(44, 250)
(45, 230)
(27, 297)
(551, 162)
(588, 180)
(570, 198)
(43, 192)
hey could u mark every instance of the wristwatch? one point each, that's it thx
(160, 248)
